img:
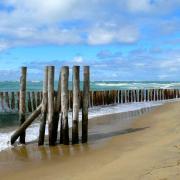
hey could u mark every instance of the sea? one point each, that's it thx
(97, 85)
(9, 120)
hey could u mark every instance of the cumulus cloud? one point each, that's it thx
(97, 22)
(139, 6)
(32, 22)
(152, 6)
(107, 35)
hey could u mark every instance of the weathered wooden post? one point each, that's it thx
(76, 91)
(118, 96)
(44, 108)
(2, 100)
(34, 101)
(122, 95)
(12, 100)
(17, 96)
(38, 95)
(64, 104)
(85, 105)
(93, 98)
(57, 106)
(51, 105)
(22, 102)
(29, 102)
(7, 99)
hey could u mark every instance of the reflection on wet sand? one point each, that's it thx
(101, 129)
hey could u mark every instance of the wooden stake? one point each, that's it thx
(2, 101)
(7, 99)
(64, 103)
(44, 109)
(12, 100)
(85, 105)
(38, 98)
(34, 100)
(22, 101)
(58, 105)
(51, 127)
(75, 118)
(17, 95)
(29, 102)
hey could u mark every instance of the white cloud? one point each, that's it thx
(48, 10)
(139, 6)
(78, 59)
(152, 6)
(101, 36)
(106, 35)
(32, 22)
(4, 45)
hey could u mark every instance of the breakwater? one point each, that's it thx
(9, 101)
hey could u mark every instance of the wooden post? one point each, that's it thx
(85, 105)
(17, 95)
(38, 98)
(64, 104)
(44, 109)
(122, 96)
(29, 102)
(75, 118)
(34, 100)
(57, 106)
(92, 95)
(7, 99)
(22, 101)
(12, 100)
(51, 127)
(2, 100)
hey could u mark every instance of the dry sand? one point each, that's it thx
(150, 149)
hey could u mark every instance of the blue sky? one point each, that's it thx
(119, 39)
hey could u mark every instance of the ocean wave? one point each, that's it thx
(112, 84)
(35, 81)
(139, 85)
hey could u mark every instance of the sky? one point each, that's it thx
(121, 40)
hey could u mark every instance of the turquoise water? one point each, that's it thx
(99, 85)
(8, 120)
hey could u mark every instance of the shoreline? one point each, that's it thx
(148, 150)
(97, 111)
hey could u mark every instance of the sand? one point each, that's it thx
(150, 149)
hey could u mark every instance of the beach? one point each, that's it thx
(147, 147)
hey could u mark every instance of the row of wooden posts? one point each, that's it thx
(53, 107)
(9, 101)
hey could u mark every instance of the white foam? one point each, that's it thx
(139, 85)
(112, 84)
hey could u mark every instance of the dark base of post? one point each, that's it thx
(23, 135)
(84, 131)
(53, 130)
(61, 131)
(42, 129)
(75, 135)
(66, 133)
(55, 124)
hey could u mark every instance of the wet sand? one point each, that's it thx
(118, 148)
